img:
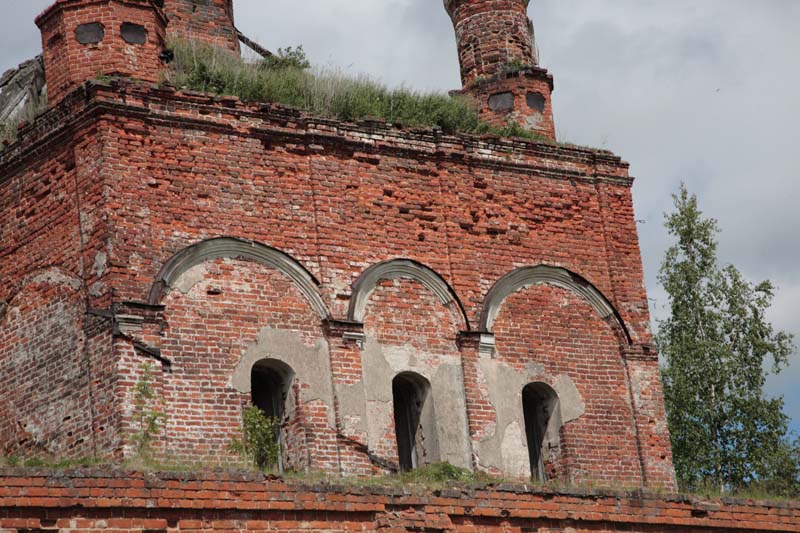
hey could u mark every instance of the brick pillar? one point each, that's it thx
(207, 21)
(83, 39)
(650, 417)
(496, 50)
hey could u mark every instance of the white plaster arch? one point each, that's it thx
(406, 269)
(548, 275)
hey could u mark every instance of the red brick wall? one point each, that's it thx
(208, 21)
(490, 34)
(119, 501)
(68, 63)
(555, 329)
(161, 171)
(208, 330)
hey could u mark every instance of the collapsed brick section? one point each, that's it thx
(95, 501)
(497, 53)
(491, 35)
(208, 235)
(207, 21)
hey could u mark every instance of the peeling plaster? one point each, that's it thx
(311, 365)
(100, 262)
(190, 278)
(383, 363)
(497, 449)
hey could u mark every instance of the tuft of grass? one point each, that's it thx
(39, 462)
(324, 92)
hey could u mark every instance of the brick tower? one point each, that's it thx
(85, 39)
(208, 21)
(499, 68)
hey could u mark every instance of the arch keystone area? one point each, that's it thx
(234, 248)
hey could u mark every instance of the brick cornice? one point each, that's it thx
(278, 123)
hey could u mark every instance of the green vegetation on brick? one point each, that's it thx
(286, 79)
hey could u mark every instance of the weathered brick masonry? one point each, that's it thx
(117, 502)
(152, 173)
(398, 297)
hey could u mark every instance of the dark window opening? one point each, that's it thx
(271, 381)
(536, 101)
(91, 33)
(501, 101)
(539, 403)
(133, 33)
(413, 416)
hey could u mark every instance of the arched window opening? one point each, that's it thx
(539, 407)
(271, 381)
(414, 421)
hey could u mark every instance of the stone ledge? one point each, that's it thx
(96, 496)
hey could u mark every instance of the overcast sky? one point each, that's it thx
(700, 91)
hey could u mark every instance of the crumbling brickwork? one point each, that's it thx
(405, 287)
(317, 205)
(208, 21)
(499, 67)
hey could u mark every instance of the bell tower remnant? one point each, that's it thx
(499, 67)
(84, 39)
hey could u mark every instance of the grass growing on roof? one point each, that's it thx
(325, 92)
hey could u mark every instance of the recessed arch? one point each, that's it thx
(401, 268)
(548, 275)
(234, 248)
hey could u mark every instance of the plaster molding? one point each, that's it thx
(234, 248)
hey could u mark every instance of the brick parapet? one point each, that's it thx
(98, 499)
(167, 106)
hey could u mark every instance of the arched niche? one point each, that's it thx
(542, 418)
(234, 248)
(401, 268)
(548, 275)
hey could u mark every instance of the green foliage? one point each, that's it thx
(286, 58)
(716, 344)
(438, 473)
(259, 442)
(328, 93)
(148, 414)
(516, 65)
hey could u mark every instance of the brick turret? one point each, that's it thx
(499, 68)
(83, 39)
(208, 21)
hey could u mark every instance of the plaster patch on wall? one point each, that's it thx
(190, 278)
(383, 362)
(311, 365)
(56, 277)
(353, 411)
(100, 262)
(504, 384)
(514, 449)
(569, 399)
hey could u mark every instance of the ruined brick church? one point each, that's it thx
(395, 297)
